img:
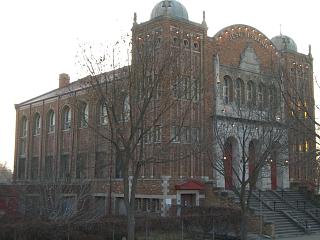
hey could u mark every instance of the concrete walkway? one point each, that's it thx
(303, 237)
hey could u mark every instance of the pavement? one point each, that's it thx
(315, 236)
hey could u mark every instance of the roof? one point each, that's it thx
(283, 42)
(190, 185)
(169, 8)
(78, 85)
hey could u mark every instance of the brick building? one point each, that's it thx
(239, 67)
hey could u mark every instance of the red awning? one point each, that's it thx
(190, 185)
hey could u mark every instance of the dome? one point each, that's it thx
(169, 8)
(283, 42)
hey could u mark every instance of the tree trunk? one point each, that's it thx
(244, 225)
(131, 225)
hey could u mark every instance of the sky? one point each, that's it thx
(39, 39)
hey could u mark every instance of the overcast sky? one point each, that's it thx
(39, 38)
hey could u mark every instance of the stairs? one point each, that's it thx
(290, 212)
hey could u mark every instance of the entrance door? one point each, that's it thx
(188, 200)
(227, 158)
(273, 175)
(252, 162)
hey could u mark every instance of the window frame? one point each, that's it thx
(51, 121)
(36, 124)
(83, 115)
(66, 118)
(103, 113)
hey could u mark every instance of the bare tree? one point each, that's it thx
(251, 138)
(61, 203)
(143, 108)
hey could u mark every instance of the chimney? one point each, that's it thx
(64, 80)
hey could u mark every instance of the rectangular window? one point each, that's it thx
(195, 90)
(64, 166)
(195, 134)
(306, 146)
(34, 168)
(101, 165)
(155, 205)
(148, 205)
(119, 164)
(67, 206)
(21, 168)
(177, 88)
(185, 135)
(157, 134)
(23, 144)
(175, 134)
(138, 203)
(148, 136)
(100, 205)
(81, 166)
(48, 167)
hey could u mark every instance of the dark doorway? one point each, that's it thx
(188, 200)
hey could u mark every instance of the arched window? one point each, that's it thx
(103, 113)
(36, 124)
(23, 136)
(273, 101)
(66, 118)
(23, 127)
(250, 94)
(261, 91)
(227, 90)
(51, 121)
(239, 92)
(126, 109)
(83, 114)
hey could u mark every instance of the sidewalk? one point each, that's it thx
(303, 237)
(315, 236)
